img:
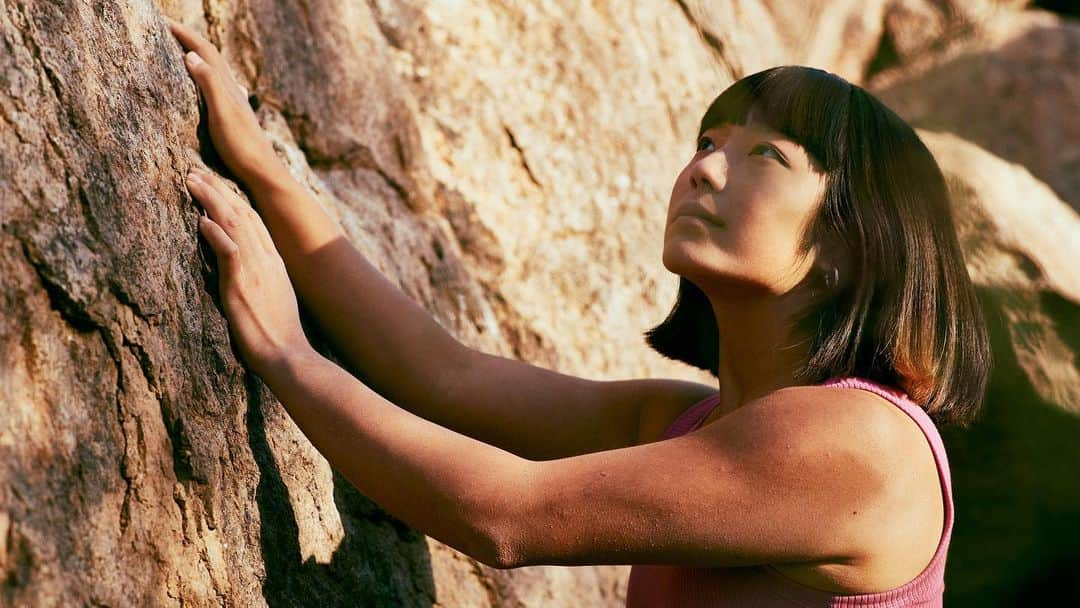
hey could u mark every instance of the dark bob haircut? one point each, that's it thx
(908, 317)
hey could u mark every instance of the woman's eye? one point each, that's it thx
(702, 141)
(770, 151)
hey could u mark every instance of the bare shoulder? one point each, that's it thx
(861, 416)
(854, 414)
(903, 522)
(658, 414)
(824, 417)
(799, 477)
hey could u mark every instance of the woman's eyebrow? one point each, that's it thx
(767, 131)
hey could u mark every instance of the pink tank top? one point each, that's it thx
(766, 587)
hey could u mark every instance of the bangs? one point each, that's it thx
(807, 105)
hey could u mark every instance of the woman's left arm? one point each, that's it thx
(813, 475)
(451, 487)
(802, 474)
(458, 490)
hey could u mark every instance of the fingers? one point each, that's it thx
(192, 41)
(216, 204)
(231, 213)
(227, 251)
(208, 79)
(206, 65)
(227, 215)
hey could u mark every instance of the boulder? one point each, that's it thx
(747, 35)
(518, 195)
(915, 29)
(508, 165)
(1001, 90)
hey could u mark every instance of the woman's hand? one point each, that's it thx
(255, 290)
(236, 133)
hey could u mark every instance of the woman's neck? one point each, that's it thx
(760, 349)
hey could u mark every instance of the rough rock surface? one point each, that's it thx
(1001, 89)
(507, 164)
(915, 29)
(748, 35)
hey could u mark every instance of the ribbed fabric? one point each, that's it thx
(764, 586)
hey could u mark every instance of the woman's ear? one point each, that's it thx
(832, 264)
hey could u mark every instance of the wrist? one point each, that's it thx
(285, 364)
(269, 179)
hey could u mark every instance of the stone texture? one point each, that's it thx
(915, 29)
(508, 164)
(747, 35)
(1001, 89)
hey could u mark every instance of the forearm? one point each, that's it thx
(373, 325)
(296, 221)
(451, 487)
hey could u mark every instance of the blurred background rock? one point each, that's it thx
(508, 164)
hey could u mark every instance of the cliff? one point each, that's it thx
(508, 165)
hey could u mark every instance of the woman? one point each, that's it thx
(821, 282)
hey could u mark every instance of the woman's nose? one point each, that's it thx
(710, 171)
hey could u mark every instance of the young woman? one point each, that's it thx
(821, 282)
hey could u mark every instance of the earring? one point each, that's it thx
(832, 277)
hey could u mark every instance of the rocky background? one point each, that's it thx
(508, 164)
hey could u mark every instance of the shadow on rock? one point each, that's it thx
(379, 562)
(1017, 495)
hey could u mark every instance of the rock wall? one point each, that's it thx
(508, 164)
(1011, 88)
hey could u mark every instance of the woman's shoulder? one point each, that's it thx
(878, 408)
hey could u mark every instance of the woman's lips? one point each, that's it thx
(696, 210)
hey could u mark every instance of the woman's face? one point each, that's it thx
(739, 207)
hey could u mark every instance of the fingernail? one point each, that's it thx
(193, 58)
(193, 177)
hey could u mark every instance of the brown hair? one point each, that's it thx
(909, 316)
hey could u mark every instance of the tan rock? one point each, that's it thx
(748, 36)
(508, 165)
(916, 28)
(1012, 89)
(522, 206)
(1017, 234)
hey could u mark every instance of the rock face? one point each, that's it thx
(747, 36)
(509, 166)
(917, 29)
(1001, 89)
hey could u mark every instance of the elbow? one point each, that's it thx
(506, 522)
(498, 547)
(506, 533)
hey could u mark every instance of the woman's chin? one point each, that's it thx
(686, 260)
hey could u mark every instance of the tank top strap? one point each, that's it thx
(692, 417)
(930, 431)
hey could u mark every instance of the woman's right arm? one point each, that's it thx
(408, 357)
(401, 351)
